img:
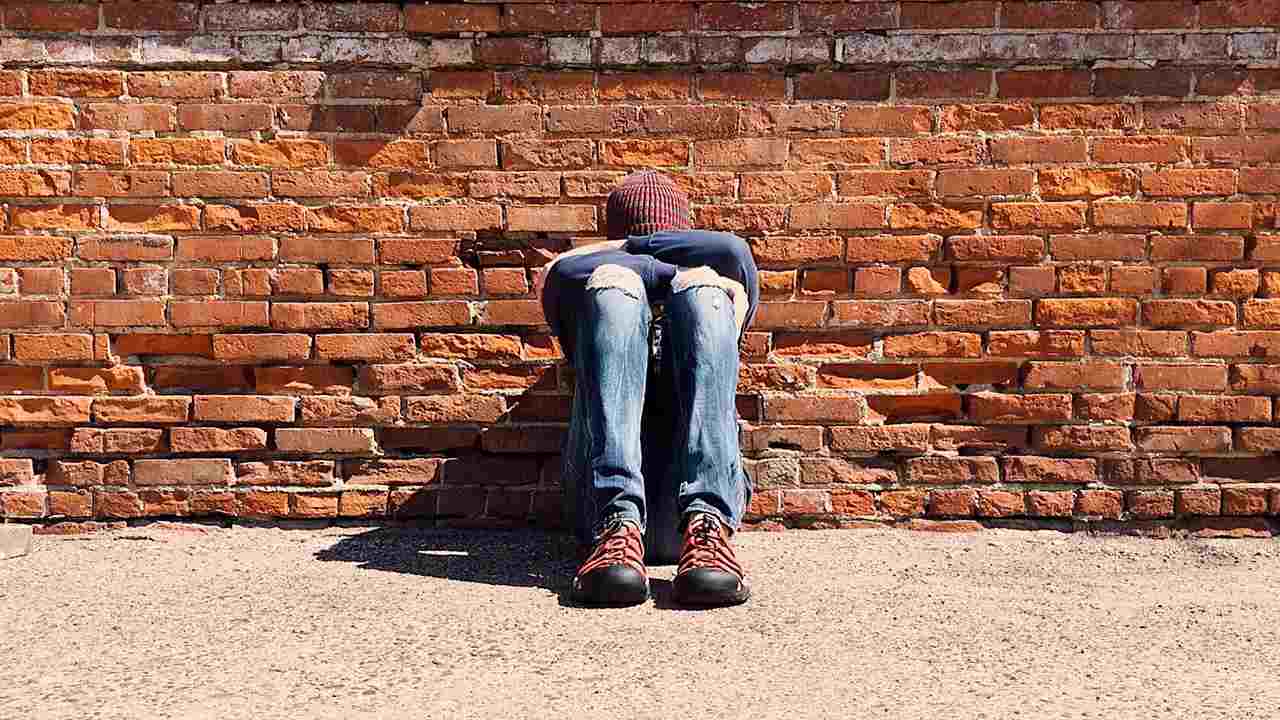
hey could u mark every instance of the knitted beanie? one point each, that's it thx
(646, 202)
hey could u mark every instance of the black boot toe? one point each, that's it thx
(613, 585)
(708, 586)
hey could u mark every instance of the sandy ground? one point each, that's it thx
(384, 623)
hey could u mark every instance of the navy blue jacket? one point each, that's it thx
(655, 258)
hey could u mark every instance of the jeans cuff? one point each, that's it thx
(604, 522)
(700, 507)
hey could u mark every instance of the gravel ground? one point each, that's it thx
(167, 622)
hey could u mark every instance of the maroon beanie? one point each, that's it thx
(646, 202)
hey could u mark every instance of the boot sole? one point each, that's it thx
(588, 601)
(707, 600)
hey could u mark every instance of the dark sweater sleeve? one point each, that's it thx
(726, 253)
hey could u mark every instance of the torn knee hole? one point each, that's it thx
(696, 278)
(616, 277)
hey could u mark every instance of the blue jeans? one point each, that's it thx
(654, 431)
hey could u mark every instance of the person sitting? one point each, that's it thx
(652, 452)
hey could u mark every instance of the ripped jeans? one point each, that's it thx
(654, 432)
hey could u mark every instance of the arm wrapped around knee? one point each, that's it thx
(704, 276)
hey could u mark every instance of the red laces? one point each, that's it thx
(706, 545)
(620, 544)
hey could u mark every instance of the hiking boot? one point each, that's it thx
(614, 573)
(709, 573)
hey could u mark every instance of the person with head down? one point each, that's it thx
(650, 320)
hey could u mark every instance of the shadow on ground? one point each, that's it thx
(513, 558)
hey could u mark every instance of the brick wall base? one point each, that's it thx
(274, 261)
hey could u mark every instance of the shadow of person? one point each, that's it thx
(515, 558)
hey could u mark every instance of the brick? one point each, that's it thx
(275, 84)
(36, 116)
(1085, 182)
(839, 215)
(937, 151)
(262, 347)
(988, 117)
(92, 381)
(29, 314)
(1108, 504)
(944, 84)
(927, 217)
(718, 86)
(934, 344)
(280, 153)
(34, 184)
(77, 83)
(325, 440)
(454, 408)
(796, 250)
(841, 86)
(1036, 343)
(1069, 375)
(837, 409)
(1223, 408)
(175, 84)
(51, 17)
(566, 218)
(1153, 376)
(1050, 471)
(135, 117)
(65, 151)
(1086, 312)
(742, 17)
(467, 153)
(890, 120)
(220, 184)
(1037, 216)
(183, 472)
(982, 313)
(693, 120)
(319, 184)
(486, 119)
(1008, 409)
(995, 247)
(781, 315)
(1117, 82)
(1233, 216)
(401, 315)
(176, 151)
(117, 313)
(451, 18)
(41, 281)
(515, 184)
(903, 503)
(1149, 504)
(1221, 13)
(253, 16)
(451, 217)
(1043, 83)
(381, 154)
(1189, 182)
(327, 250)
(1149, 14)
(952, 502)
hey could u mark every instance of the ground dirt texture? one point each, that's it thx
(172, 622)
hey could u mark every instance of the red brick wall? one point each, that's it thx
(281, 260)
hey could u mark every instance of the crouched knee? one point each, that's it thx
(617, 277)
(690, 279)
